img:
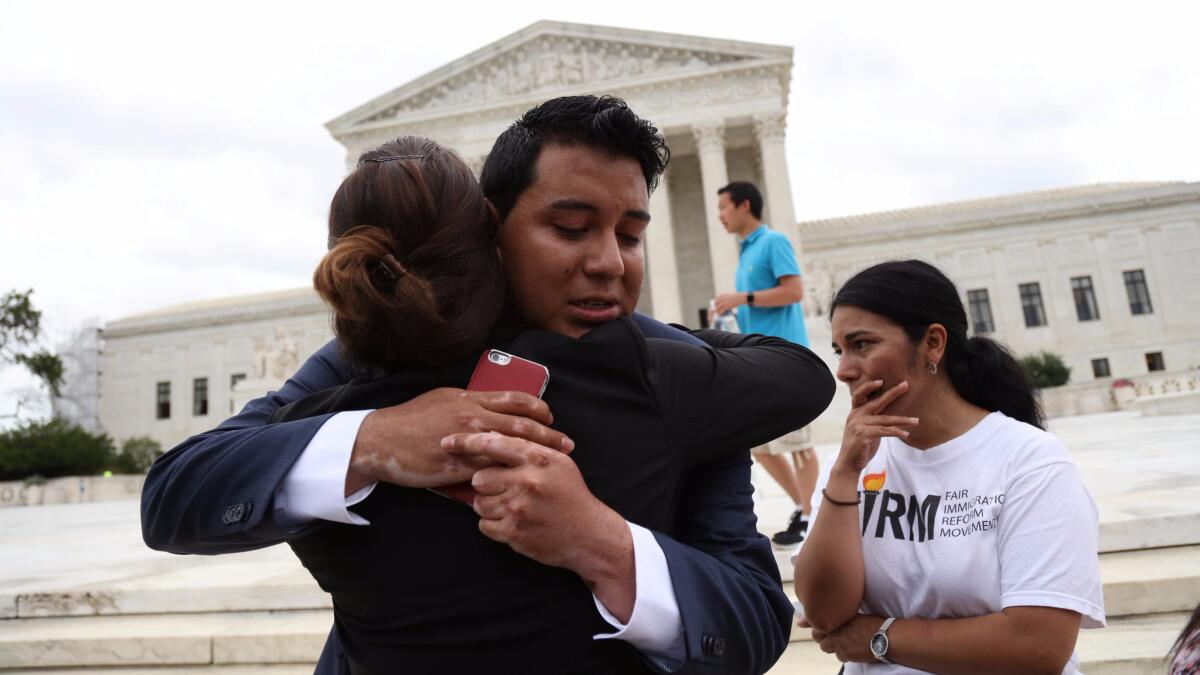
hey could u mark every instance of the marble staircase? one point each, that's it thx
(79, 592)
(259, 612)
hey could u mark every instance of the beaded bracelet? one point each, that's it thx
(835, 502)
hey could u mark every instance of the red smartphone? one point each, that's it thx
(499, 371)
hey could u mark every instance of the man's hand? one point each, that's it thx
(536, 502)
(727, 302)
(401, 444)
(851, 642)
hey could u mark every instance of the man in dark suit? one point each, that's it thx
(571, 182)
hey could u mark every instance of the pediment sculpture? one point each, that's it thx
(275, 360)
(551, 63)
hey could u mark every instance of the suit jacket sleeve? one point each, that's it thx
(213, 493)
(752, 389)
(736, 617)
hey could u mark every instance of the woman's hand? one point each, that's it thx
(866, 424)
(851, 642)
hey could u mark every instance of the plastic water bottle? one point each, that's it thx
(725, 321)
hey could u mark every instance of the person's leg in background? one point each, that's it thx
(807, 471)
(801, 472)
(781, 471)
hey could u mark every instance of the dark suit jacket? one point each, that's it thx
(642, 411)
(212, 494)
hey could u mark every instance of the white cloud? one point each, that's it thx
(155, 153)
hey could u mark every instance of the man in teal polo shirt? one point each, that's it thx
(769, 291)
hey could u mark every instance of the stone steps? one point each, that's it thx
(84, 594)
(118, 601)
(196, 639)
(258, 669)
(1135, 582)
(290, 642)
(1128, 646)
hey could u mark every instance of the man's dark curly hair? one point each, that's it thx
(602, 122)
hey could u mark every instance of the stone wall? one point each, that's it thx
(71, 490)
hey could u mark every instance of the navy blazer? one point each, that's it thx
(213, 494)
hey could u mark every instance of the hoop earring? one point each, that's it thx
(932, 367)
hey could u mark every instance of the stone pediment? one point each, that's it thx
(552, 57)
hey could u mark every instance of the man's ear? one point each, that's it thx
(492, 210)
(495, 216)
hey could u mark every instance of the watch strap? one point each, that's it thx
(883, 630)
(750, 298)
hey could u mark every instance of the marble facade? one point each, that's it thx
(222, 344)
(722, 106)
(1098, 232)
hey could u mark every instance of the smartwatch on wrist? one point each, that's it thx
(750, 298)
(880, 642)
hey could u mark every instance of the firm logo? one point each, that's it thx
(873, 482)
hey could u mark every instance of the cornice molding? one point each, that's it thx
(589, 42)
(508, 108)
(829, 236)
(231, 313)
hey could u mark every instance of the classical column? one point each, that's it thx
(779, 211)
(660, 252)
(722, 246)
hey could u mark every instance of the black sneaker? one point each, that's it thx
(794, 534)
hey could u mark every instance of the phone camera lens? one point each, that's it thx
(498, 358)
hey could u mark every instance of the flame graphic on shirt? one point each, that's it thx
(873, 482)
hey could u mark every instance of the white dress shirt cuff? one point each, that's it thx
(655, 627)
(315, 487)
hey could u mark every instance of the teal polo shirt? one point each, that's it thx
(766, 256)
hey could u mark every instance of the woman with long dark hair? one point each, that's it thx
(954, 534)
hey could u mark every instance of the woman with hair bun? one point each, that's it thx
(955, 534)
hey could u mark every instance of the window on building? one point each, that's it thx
(233, 380)
(1031, 304)
(1139, 294)
(1154, 361)
(981, 311)
(200, 396)
(162, 398)
(1100, 368)
(1085, 299)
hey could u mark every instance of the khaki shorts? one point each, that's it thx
(799, 440)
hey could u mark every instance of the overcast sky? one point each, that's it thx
(161, 152)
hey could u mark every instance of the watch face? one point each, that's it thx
(879, 644)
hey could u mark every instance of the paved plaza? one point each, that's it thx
(79, 590)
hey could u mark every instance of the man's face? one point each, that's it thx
(732, 217)
(572, 244)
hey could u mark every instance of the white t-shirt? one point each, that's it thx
(998, 517)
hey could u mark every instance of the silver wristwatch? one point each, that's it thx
(879, 641)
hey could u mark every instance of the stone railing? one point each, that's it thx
(1165, 393)
(1169, 394)
(71, 490)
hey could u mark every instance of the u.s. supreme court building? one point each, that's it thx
(1103, 275)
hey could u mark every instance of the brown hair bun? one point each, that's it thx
(437, 298)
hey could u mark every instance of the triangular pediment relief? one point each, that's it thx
(548, 57)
